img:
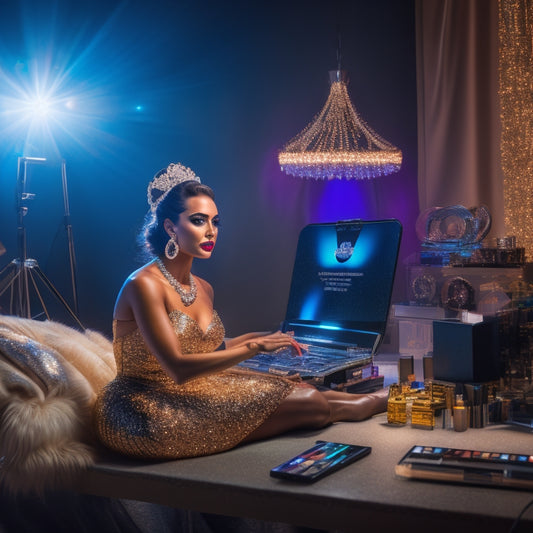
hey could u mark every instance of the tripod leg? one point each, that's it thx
(25, 306)
(72, 259)
(70, 238)
(11, 281)
(10, 278)
(56, 293)
(38, 292)
(9, 265)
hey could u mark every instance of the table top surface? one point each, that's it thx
(362, 496)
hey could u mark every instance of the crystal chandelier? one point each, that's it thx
(338, 143)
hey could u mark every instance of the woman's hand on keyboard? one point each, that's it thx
(273, 342)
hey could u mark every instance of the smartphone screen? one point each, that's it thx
(320, 460)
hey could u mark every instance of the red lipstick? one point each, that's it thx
(207, 246)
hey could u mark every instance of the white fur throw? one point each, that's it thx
(49, 377)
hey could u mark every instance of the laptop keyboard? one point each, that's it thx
(315, 360)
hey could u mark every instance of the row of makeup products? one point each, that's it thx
(435, 404)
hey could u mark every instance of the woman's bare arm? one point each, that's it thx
(145, 296)
(243, 339)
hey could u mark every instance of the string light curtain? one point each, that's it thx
(516, 100)
(338, 143)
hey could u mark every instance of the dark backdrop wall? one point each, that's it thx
(220, 87)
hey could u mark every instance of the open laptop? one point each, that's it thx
(339, 300)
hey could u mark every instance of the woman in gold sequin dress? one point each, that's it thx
(177, 392)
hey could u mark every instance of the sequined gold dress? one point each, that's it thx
(144, 413)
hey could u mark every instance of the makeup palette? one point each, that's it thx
(475, 467)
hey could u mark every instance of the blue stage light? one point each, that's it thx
(40, 107)
(33, 107)
(61, 90)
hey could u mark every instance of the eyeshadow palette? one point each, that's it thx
(475, 467)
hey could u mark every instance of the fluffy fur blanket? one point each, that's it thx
(49, 377)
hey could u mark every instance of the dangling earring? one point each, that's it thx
(171, 249)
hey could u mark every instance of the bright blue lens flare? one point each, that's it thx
(37, 106)
(61, 88)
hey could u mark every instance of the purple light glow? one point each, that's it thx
(313, 201)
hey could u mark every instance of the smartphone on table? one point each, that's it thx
(322, 459)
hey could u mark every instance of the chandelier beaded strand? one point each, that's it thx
(187, 298)
(338, 143)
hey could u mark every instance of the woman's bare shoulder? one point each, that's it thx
(142, 279)
(139, 285)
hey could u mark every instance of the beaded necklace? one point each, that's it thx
(187, 298)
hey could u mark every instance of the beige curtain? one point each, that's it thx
(458, 106)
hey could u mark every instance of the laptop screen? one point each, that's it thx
(342, 279)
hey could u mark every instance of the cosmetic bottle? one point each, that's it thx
(474, 403)
(460, 418)
(448, 410)
(396, 406)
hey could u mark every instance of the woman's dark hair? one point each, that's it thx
(153, 237)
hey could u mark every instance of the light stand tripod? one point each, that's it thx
(23, 272)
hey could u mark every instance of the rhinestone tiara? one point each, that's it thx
(163, 182)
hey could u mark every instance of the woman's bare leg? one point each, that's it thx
(307, 407)
(304, 407)
(355, 407)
